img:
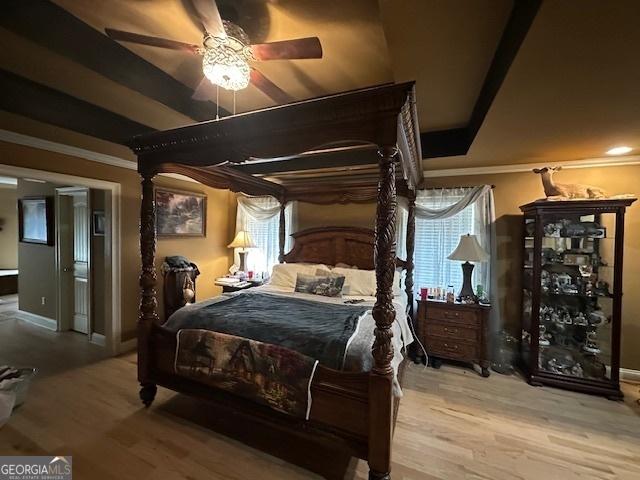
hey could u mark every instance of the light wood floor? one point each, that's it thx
(452, 425)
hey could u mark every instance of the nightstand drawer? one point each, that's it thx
(451, 349)
(457, 316)
(446, 330)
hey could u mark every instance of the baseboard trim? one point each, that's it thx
(128, 346)
(39, 320)
(629, 375)
(98, 339)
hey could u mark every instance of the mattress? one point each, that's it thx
(358, 357)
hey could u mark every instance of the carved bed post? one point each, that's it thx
(381, 378)
(282, 229)
(410, 247)
(148, 303)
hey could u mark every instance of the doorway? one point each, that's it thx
(105, 314)
(74, 259)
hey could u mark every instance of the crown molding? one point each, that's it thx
(40, 143)
(29, 141)
(527, 167)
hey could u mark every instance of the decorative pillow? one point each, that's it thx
(284, 274)
(328, 286)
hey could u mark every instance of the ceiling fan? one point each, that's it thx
(226, 52)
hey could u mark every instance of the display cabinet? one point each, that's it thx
(572, 294)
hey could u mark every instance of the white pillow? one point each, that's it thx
(363, 282)
(357, 282)
(285, 274)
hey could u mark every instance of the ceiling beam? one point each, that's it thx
(446, 143)
(38, 102)
(52, 27)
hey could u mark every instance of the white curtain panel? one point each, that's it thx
(260, 216)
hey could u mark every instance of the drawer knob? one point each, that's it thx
(451, 330)
(451, 347)
(451, 314)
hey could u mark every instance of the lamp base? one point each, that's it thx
(243, 261)
(467, 294)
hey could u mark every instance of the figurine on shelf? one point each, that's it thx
(566, 191)
(591, 345)
(577, 371)
(544, 337)
(554, 285)
(597, 317)
(594, 230)
(545, 280)
(588, 288)
(602, 289)
(585, 270)
(581, 320)
(552, 230)
(573, 230)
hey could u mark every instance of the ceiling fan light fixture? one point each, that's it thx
(227, 71)
(225, 60)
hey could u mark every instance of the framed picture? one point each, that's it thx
(180, 214)
(98, 224)
(35, 220)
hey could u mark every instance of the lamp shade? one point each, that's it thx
(469, 250)
(242, 240)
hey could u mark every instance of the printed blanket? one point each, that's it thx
(316, 329)
(264, 373)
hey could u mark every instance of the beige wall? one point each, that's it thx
(100, 264)
(9, 225)
(37, 263)
(513, 190)
(209, 253)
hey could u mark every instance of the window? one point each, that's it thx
(264, 225)
(436, 239)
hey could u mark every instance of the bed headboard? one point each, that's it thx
(331, 245)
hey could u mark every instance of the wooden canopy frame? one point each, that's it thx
(377, 124)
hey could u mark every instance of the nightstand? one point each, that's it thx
(236, 288)
(454, 331)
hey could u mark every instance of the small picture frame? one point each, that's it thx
(35, 220)
(98, 223)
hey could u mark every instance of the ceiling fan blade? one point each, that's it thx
(269, 88)
(123, 36)
(210, 17)
(309, 47)
(205, 91)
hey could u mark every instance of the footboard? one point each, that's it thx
(340, 407)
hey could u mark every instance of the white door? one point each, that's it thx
(81, 263)
(73, 259)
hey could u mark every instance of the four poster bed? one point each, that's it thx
(378, 126)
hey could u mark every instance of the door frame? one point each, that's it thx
(62, 324)
(113, 328)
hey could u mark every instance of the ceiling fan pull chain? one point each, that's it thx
(234, 102)
(217, 102)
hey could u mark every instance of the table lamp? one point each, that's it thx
(468, 250)
(242, 241)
